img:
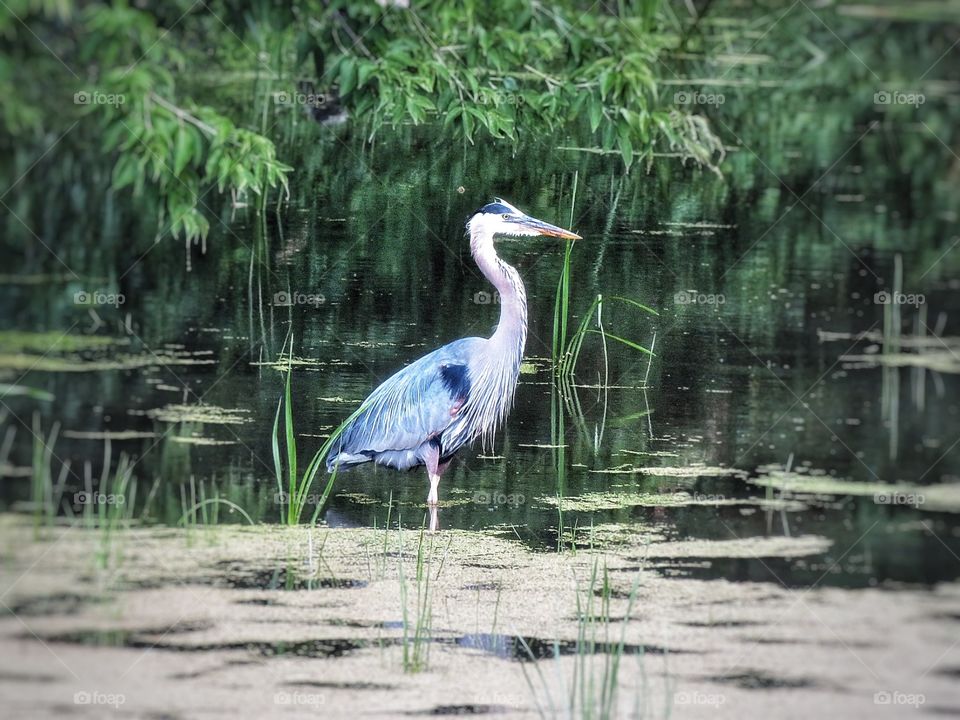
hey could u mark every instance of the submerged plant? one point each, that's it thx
(416, 630)
(380, 560)
(593, 689)
(293, 488)
(45, 498)
(566, 349)
(114, 512)
(203, 506)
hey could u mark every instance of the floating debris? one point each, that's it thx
(933, 352)
(210, 414)
(686, 471)
(199, 440)
(918, 341)
(591, 502)
(616, 501)
(60, 352)
(651, 453)
(673, 233)
(944, 497)
(371, 345)
(295, 361)
(15, 341)
(15, 471)
(945, 361)
(359, 498)
(7, 390)
(77, 364)
(719, 226)
(109, 435)
(35, 279)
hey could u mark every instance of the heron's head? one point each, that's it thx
(500, 219)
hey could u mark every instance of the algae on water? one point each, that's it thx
(18, 341)
(685, 471)
(209, 414)
(943, 497)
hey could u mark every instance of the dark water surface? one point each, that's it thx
(783, 259)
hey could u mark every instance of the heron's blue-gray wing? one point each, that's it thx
(408, 409)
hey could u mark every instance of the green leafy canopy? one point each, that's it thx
(147, 85)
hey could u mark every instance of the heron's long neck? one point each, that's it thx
(511, 333)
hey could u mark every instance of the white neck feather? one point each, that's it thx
(494, 374)
(511, 331)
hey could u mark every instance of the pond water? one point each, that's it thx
(772, 351)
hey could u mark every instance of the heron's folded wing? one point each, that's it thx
(410, 407)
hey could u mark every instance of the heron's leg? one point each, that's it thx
(434, 497)
(432, 460)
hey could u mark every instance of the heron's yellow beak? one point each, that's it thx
(545, 228)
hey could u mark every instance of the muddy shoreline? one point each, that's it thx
(272, 621)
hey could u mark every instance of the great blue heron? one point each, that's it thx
(462, 391)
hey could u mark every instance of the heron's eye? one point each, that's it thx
(506, 216)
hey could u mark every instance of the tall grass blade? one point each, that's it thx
(626, 342)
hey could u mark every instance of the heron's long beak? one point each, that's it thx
(545, 228)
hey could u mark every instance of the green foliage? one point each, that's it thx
(511, 70)
(178, 152)
(144, 91)
(113, 80)
(199, 84)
